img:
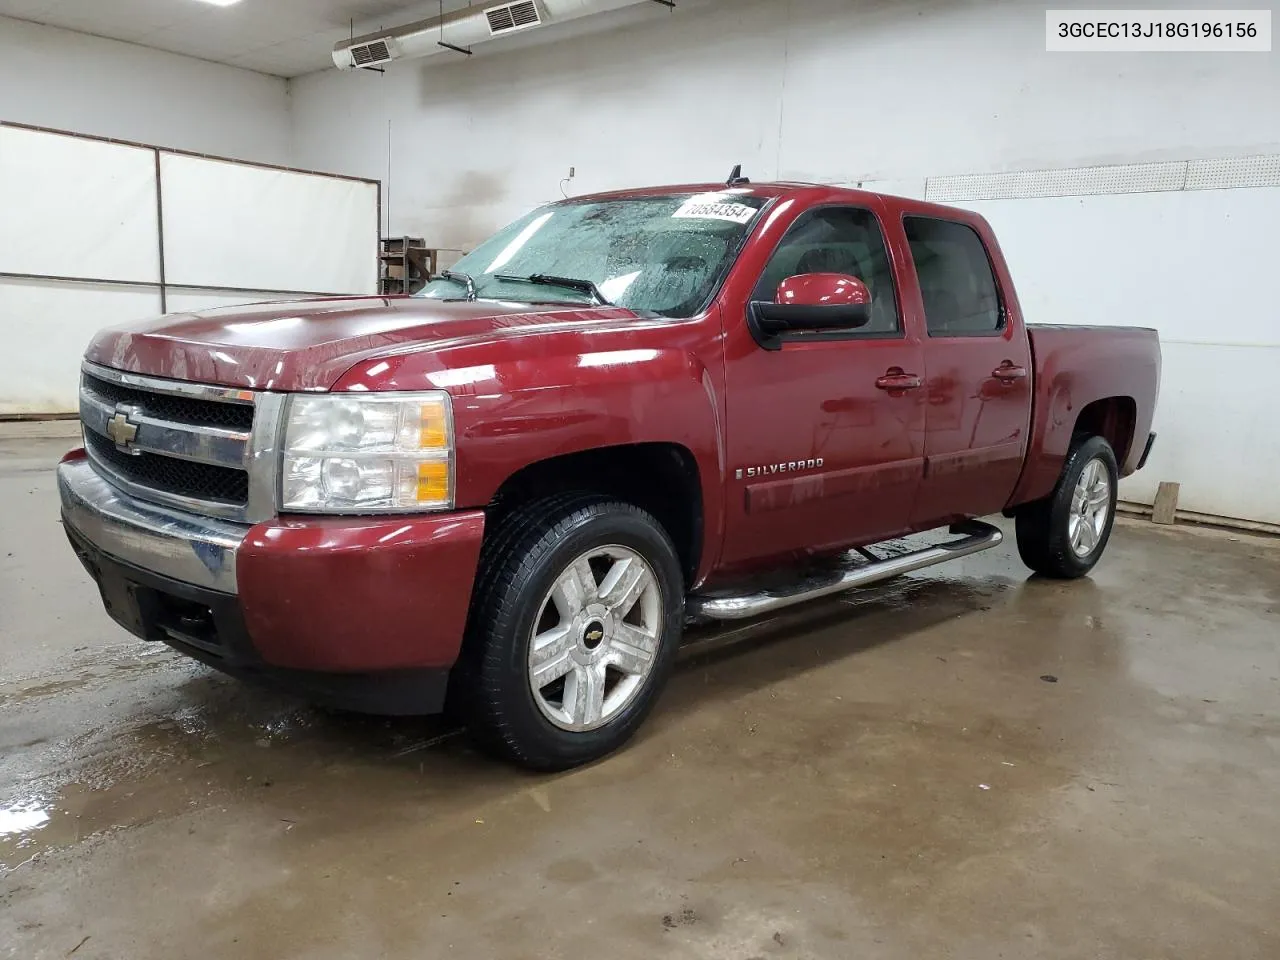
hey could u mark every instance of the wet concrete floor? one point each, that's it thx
(965, 764)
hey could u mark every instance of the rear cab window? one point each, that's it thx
(957, 285)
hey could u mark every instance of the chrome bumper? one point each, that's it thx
(181, 546)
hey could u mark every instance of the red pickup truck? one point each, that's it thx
(513, 489)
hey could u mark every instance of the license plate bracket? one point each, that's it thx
(120, 597)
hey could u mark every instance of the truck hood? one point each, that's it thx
(309, 344)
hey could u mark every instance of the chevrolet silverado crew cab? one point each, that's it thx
(621, 412)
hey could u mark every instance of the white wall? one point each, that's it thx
(83, 208)
(827, 90)
(78, 219)
(71, 81)
(476, 141)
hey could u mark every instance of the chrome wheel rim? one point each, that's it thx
(595, 639)
(1090, 508)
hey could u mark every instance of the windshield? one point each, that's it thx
(661, 255)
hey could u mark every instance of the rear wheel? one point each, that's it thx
(574, 628)
(1064, 535)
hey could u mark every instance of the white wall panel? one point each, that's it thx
(1196, 265)
(86, 210)
(825, 90)
(232, 225)
(892, 88)
(72, 81)
(45, 328)
(1217, 432)
(76, 207)
(477, 141)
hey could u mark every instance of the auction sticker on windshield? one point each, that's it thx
(713, 206)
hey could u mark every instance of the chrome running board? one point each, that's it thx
(976, 537)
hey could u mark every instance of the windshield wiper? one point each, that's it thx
(462, 278)
(572, 283)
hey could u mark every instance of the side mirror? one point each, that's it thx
(813, 301)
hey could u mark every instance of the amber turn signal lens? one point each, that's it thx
(433, 433)
(433, 482)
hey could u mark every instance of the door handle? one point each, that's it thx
(895, 379)
(1008, 372)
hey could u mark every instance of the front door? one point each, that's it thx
(978, 366)
(825, 435)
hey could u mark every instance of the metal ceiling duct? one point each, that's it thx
(459, 30)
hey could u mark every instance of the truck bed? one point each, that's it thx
(1087, 361)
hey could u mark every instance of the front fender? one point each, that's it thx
(514, 405)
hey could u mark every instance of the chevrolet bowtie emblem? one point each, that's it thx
(594, 635)
(121, 428)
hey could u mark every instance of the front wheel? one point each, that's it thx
(574, 629)
(1063, 535)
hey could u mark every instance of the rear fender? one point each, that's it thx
(1077, 366)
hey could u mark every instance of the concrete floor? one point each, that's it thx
(887, 776)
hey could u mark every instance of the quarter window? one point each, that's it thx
(956, 283)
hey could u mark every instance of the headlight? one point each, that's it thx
(371, 453)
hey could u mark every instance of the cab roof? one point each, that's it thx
(772, 189)
(817, 193)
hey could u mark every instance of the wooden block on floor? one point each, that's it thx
(1166, 505)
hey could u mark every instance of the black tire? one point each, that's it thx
(1043, 528)
(520, 563)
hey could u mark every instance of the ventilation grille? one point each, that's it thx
(371, 54)
(1178, 175)
(512, 16)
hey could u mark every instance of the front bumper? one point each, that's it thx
(365, 613)
(196, 550)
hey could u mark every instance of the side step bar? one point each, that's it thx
(976, 537)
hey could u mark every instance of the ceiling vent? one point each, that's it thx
(454, 33)
(374, 53)
(512, 16)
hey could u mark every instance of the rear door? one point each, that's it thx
(821, 452)
(978, 374)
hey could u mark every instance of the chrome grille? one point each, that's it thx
(184, 478)
(204, 413)
(201, 448)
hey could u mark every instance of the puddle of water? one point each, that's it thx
(22, 818)
(188, 739)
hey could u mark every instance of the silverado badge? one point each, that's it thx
(768, 469)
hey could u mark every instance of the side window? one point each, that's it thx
(837, 240)
(956, 282)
